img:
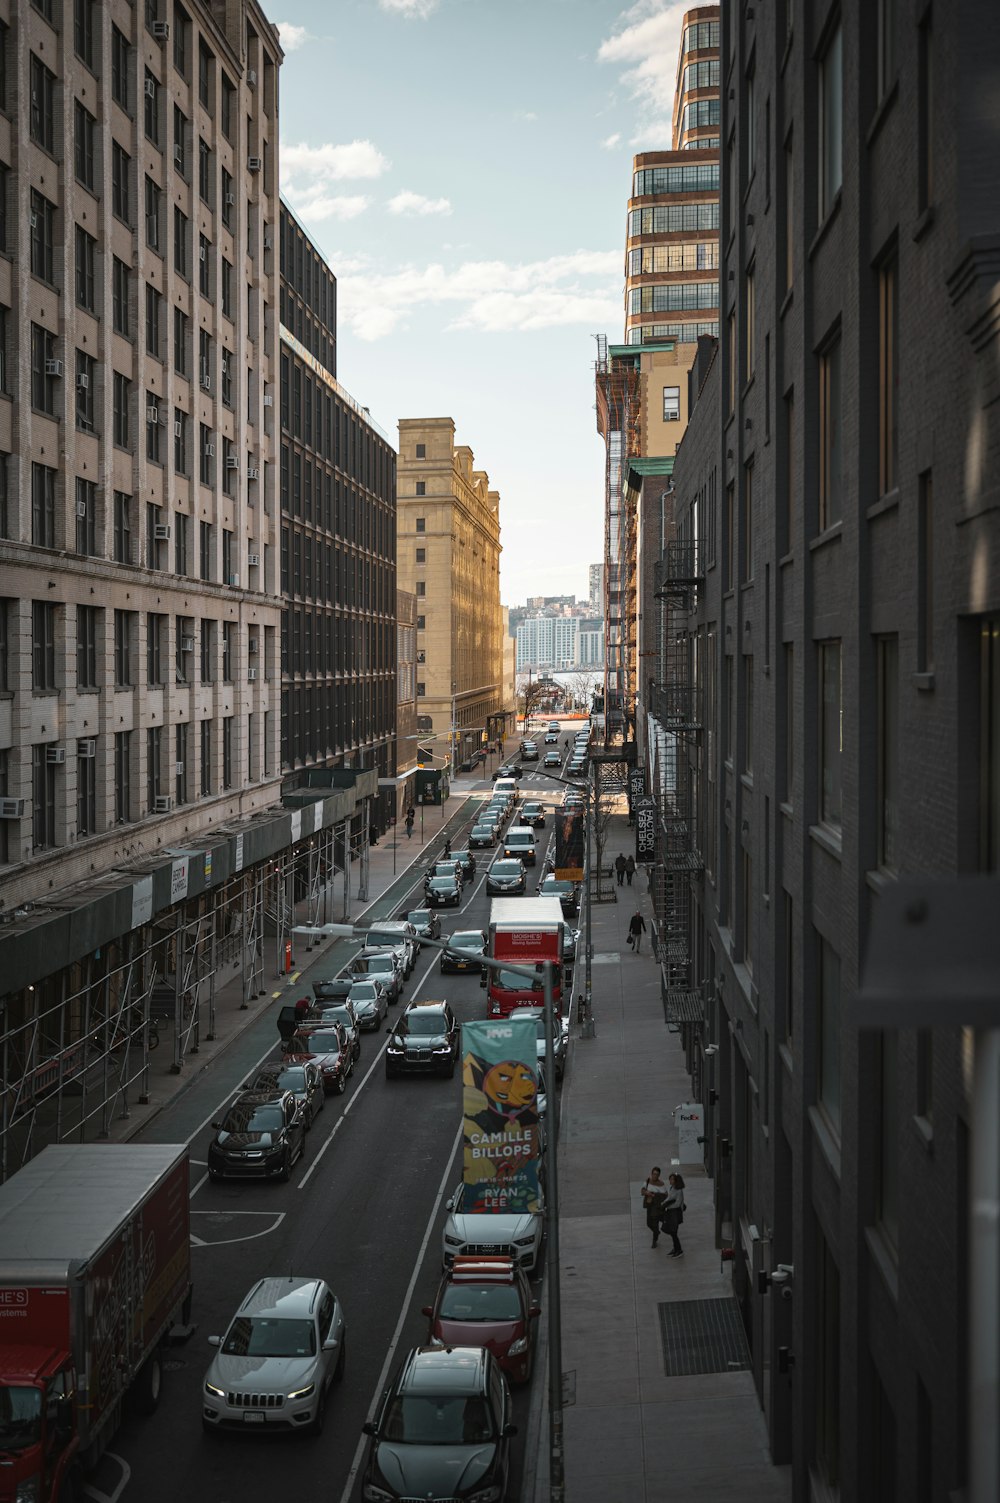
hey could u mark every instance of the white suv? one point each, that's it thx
(509, 1234)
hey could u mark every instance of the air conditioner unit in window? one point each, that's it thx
(161, 30)
(252, 472)
(178, 430)
(206, 381)
(268, 399)
(202, 251)
(33, 221)
(252, 77)
(209, 451)
(83, 381)
(179, 156)
(162, 804)
(268, 243)
(254, 164)
(234, 579)
(86, 749)
(179, 769)
(152, 414)
(81, 508)
(232, 463)
(53, 367)
(187, 644)
(13, 808)
(161, 532)
(150, 88)
(230, 200)
(251, 674)
(252, 645)
(55, 755)
(253, 560)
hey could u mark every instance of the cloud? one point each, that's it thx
(526, 115)
(610, 142)
(354, 159)
(411, 10)
(319, 206)
(406, 202)
(645, 50)
(582, 288)
(292, 37)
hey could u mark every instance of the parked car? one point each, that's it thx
(387, 966)
(487, 1302)
(370, 1002)
(300, 1076)
(483, 837)
(563, 889)
(425, 922)
(552, 759)
(260, 1137)
(332, 989)
(443, 892)
(510, 1234)
(473, 941)
(442, 1429)
(467, 862)
(560, 1038)
(506, 878)
(532, 813)
(570, 938)
(342, 1012)
(397, 933)
(330, 1049)
(424, 1040)
(285, 1347)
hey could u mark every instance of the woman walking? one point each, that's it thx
(654, 1195)
(673, 1214)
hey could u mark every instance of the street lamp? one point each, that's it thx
(556, 1451)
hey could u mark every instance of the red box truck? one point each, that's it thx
(523, 931)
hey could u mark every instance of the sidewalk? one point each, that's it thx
(629, 1430)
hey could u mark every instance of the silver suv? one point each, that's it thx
(276, 1363)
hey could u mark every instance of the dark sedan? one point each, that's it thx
(467, 862)
(300, 1076)
(260, 1137)
(532, 813)
(443, 892)
(473, 942)
(483, 837)
(506, 877)
(425, 921)
(564, 890)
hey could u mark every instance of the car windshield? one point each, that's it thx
(266, 1336)
(246, 1118)
(513, 981)
(364, 991)
(337, 1015)
(467, 939)
(324, 1041)
(437, 1420)
(381, 963)
(383, 937)
(461, 856)
(20, 1417)
(507, 869)
(442, 884)
(479, 831)
(292, 1079)
(419, 918)
(423, 1025)
(480, 1302)
(556, 884)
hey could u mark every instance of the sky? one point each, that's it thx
(464, 166)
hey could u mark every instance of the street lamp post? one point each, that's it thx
(557, 1460)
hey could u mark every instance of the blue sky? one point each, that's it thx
(464, 165)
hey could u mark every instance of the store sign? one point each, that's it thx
(636, 785)
(645, 831)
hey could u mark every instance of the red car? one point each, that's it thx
(487, 1302)
(330, 1049)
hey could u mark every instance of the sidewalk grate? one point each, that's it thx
(702, 1336)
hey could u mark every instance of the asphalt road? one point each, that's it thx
(364, 1210)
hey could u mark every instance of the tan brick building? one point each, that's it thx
(448, 554)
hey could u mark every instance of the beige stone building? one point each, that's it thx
(448, 554)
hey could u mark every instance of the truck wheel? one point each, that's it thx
(148, 1385)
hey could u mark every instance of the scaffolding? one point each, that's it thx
(675, 704)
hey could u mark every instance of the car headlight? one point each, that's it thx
(218, 1393)
(441, 1049)
(302, 1393)
(517, 1347)
(485, 1495)
(375, 1494)
(525, 1241)
(452, 1241)
(394, 1049)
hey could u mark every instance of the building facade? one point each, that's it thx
(829, 689)
(338, 541)
(448, 555)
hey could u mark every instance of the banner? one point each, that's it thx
(645, 831)
(636, 785)
(502, 1135)
(569, 844)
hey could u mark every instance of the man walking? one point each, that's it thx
(636, 929)
(410, 817)
(620, 868)
(630, 869)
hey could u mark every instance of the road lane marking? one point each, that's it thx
(404, 1312)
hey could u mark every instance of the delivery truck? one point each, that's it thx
(524, 931)
(95, 1273)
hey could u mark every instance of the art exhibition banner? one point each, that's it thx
(570, 829)
(502, 1136)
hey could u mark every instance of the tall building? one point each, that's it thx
(338, 541)
(829, 697)
(448, 554)
(596, 593)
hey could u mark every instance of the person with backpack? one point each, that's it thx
(410, 817)
(636, 929)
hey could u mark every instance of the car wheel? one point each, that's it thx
(338, 1371)
(319, 1418)
(286, 1168)
(342, 1082)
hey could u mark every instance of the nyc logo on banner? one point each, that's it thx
(502, 1129)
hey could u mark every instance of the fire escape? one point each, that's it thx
(618, 422)
(676, 705)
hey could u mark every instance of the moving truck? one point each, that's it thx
(95, 1270)
(523, 931)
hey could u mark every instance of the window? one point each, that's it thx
(156, 638)
(886, 21)
(746, 524)
(153, 200)
(421, 451)
(180, 342)
(228, 107)
(989, 752)
(85, 127)
(123, 528)
(151, 107)
(887, 751)
(228, 559)
(43, 383)
(789, 210)
(421, 588)
(86, 796)
(153, 429)
(182, 40)
(788, 976)
(227, 377)
(86, 259)
(119, 67)
(180, 441)
(925, 566)
(180, 543)
(421, 524)
(727, 707)
(790, 746)
(180, 141)
(748, 713)
(830, 734)
(746, 905)
(421, 623)
(421, 555)
(888, 374)
(154, 764)
(421, 689)
(43, 645)
(182, 256)
(207, 456)
(227, 752)
(205, 358)
(888, 1144)
(729, 570)
(121, 279)
(227, 288)
(831, 501)
(204, 171)
(86, 518)
(121, 198)
(831, 129)
(43, 506)
(750, 101)
(121, 425)
(828, 1073)
(206, 63)
(228, 650)
(671, 404)
(86, 647)
(123, 776)
(41, 222)
(228, 199)
(751, 323)
(205, 550)
(206, 758)
(124, 636)
(925, 112)
(421, 488)
(154, 322)
(208, 651)
(827, 1357)
(732, 358)
(41, 117)
(43, 799)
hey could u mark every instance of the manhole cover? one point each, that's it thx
(702, 1336)
(173, 1366)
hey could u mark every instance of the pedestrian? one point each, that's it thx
(636, 929)
(673, 1214)
(630, 869)
(447, 849)
(654, 1197)
(620, 868)
(410, 817)
(372, 835)
(301, 1010)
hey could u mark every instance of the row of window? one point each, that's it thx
(701, 35)
(335, 645)
(322, 721)
(700, 177)
(688, 333)
(317, 415)
(673, 297)
(700, 76)
(314, 569)
(700, 112)
(700, 255)
(343, 502)
(668, 219)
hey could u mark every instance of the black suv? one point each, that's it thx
(442, 1428)
(425, 1040)
(260, 1137)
